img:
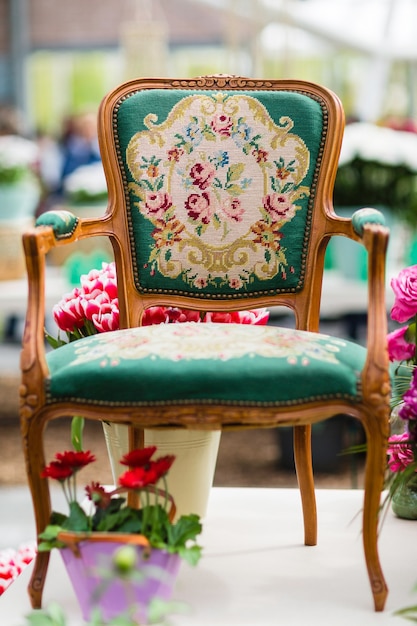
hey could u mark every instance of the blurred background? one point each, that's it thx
(57, 61)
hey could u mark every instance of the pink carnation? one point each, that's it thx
(12, 563)
(68, 313)
(95, 308)
(404, 287)
(399, 349)
(95, 301)
(258, 317)
(400, 453)
(155, 315)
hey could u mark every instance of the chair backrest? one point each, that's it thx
(221, 188)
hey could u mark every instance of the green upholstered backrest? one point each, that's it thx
(219, 188)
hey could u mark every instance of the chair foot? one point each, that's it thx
(380, 593)
(37, 581)
(304, 469)
(374, 482)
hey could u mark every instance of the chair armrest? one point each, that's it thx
(369, 225)
(361, 217)
(52, 228)
(62, 222)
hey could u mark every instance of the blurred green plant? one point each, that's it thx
(378, 168)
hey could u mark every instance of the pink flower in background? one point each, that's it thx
(182, 315)
(404, 287)
(400, 453)
(399, 349)
(68, 313)
(13, 562)
(222, 317)
(94, 308)
(107, 318)
(258, 317)
(91, 308)
(100, 281)
(155, 315)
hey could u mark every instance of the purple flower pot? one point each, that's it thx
(95, 586)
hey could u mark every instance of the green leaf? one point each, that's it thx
(77, 428)
(57, 518)
(137, 191)
(234, 190)
(159, 609)
(50, 532)
(216, 221)
(125, 520)
(235, 171)
(52, 616)
(78, 519)
(187, 527)
(192, 554)
(208, 134)
(49, 538)
(54, 342)
(409, 613)
(96, 619)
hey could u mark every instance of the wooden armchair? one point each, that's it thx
(220, 198)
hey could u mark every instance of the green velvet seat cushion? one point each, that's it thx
(207, 363)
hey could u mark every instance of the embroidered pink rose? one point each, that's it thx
(222, 124)
(157, 203)
(233, 209)
(200, 282)
(404, 287)
(198, 207)
(202, 174)
(399, 349)
(235, 283)
(279, 206)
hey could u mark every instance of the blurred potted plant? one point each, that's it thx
(19, 184)
(92, 536)
(377, 168)
(86, 185)
(20, 193)
(85, 193)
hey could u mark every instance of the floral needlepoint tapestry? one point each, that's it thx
(213, 184)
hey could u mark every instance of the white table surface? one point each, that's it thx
(256, 571)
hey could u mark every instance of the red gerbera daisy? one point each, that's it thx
(161, 466)
(75, 460)
(97, 494)
(138, 478)
(138, 457)
(57, 471)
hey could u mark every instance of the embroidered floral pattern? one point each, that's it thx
(218, 179)
(190, 341)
